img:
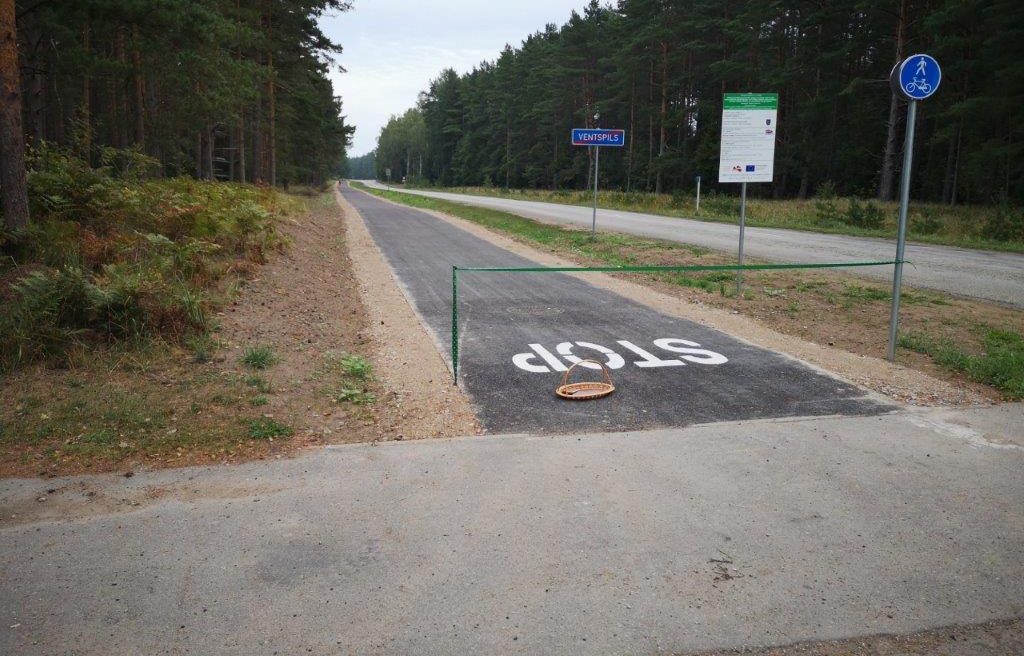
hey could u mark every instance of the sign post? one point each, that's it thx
(749, 124)
(915, 78)
(697, 210)
(387, 172)
(597, 138)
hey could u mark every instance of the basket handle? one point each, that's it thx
(604, 371)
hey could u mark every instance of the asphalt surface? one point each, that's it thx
(711, 537)
(986, 275)
(698, 375)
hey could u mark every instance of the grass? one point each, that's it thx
(964, 226)
(347, 378)
(1000, 365)
(260, 383)
(265, 428)
(820, 306)
(259, 357)
(144, 403)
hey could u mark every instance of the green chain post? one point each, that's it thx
(455, 324)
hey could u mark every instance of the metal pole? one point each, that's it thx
(901, 235)
(455, 324)
(597, 164)
(698, 196)
(743, 220)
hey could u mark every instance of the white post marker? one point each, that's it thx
(697, 210)
(915, 78)
(749, 124)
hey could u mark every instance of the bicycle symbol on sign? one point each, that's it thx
(918, 84)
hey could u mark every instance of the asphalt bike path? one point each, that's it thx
(520, 331)
(988, 275)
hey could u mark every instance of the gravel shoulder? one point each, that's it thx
(407, 359)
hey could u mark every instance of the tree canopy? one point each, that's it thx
(220, 89)
(658, 68)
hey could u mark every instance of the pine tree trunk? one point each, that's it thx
(271, 102)
(84, 129)
(887, 178)
(662, 115)
(632, 133)
(257, 147)
(199, 155)
(123, 86)
(208, 154)
(140, 90)
(12, 138)
(34, 101)
(241, 146)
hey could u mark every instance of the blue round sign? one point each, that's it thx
(917, 77)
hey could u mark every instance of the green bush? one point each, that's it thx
(925, 223)
(863, 216)
(826, 212)
(826, 191)
(113, 255)
(1007, 224)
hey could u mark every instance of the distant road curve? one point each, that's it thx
(986, 275)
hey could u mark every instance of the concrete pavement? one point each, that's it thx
(986, 275)
(710, 537)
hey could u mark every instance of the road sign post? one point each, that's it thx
(597, 167)
(749, 124)
(697, 210)
(387, 172)
(596, 138)
(915, 78)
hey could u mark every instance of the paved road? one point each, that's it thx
(979, 274)
(518, 331)
(715, 536)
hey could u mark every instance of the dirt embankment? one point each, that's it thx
(348, 362)
(331, 296)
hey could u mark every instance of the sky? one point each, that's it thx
(393, 48)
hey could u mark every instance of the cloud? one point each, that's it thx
(393, 48)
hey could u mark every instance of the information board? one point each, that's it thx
(749, 124)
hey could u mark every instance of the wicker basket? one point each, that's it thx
(585, 391)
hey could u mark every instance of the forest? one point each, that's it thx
(214, 89)
(658, 68)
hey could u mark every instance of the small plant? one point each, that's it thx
(259, 383)
(259, 357)
(863, 216)
(826, 212)
(356, 366)
(356, 396)
(925, 223)
(826, 191)
(866, 294)
(266, 428)
(258, 400)
(203, 346)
